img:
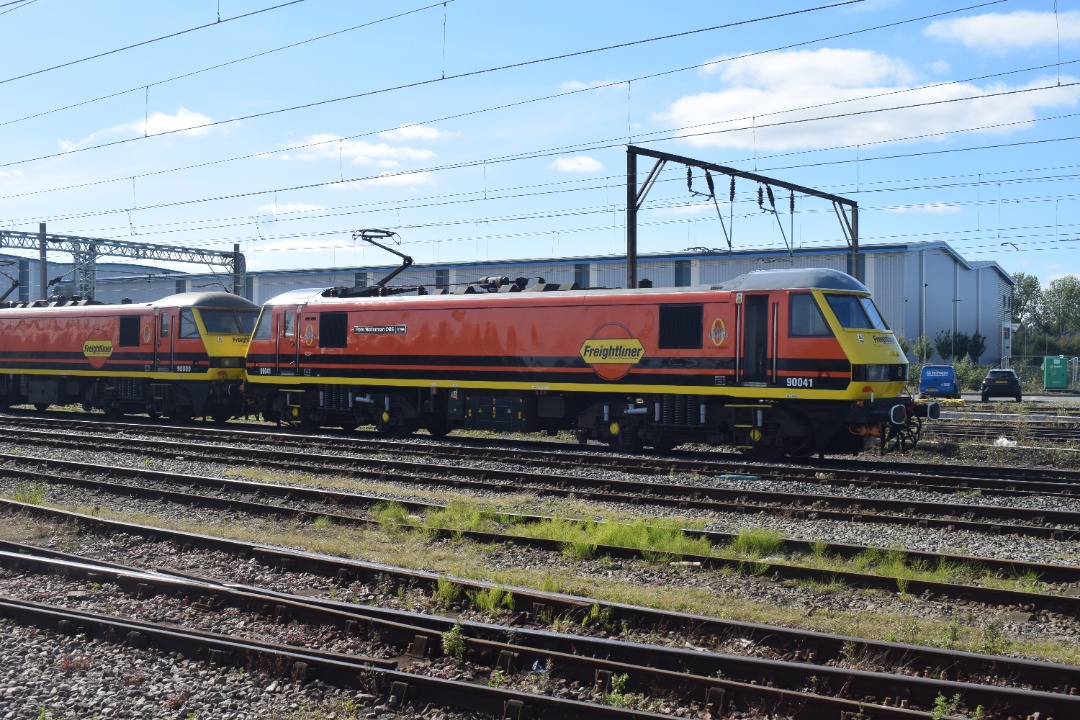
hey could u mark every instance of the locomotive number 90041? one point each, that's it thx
(800, 382)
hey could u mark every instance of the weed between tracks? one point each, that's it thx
(601, 578)
(404, 541)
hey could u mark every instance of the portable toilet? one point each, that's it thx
(1056, 373)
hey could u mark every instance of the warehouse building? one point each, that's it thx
(920, 288)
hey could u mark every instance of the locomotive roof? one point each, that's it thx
(219, 300)
(205, 300)
(786, 279)
(794, 279)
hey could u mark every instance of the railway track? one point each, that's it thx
(803, 679)
(453, 467)
(711, 495)
(1058, 591)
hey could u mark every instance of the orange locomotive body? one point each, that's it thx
(180, 357)
(774, 362)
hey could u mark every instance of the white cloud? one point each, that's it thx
(420, 178)
(288, 208)
(696, 209)
(940, 67)
(576, 85)
(183, 122)
(852, 83)
(1005, 31)
(834, 67)
(403, 179)
(413, 132)
(577, 164)
(357, 152)
(926, 208)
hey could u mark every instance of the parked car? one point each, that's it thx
(1001, 383)
(938, 381)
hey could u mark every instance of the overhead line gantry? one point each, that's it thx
(85, 251)
(635, 197)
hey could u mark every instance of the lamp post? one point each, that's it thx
(922, 339)
(952, 339)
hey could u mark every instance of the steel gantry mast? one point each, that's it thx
(847, 211)
(85, 251)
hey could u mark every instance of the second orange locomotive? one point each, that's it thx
(786, 362)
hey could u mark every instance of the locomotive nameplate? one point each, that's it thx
(380, 329)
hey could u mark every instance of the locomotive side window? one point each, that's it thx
(805, 319)
(680, 327)
(163, 330)
(289, 327)
(188, 328)
(129, 332)
(852, 313)
(332, 329)
(873, 314)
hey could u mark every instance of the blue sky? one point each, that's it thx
(496, 129)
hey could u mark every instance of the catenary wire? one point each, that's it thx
(532, 100)
(228, 63)
(147, 42)
(419, 83)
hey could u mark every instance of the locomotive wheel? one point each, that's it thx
(397, 430)
(181, 414)
(626, 440)
(766, 453)
(438, 427)
(180, 408)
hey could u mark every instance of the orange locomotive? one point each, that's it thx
(181, 357)
(783, 362)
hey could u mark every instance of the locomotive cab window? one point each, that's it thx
(805, 319)
(188, 328)
(680, 327)
(855, 313)
(264, 328)
(163, 326)
(288, 328)
(129, 332)
(232, 322)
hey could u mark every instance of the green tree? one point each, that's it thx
(943, 343)
(924, 349)
(1061, 306)
(976, 346)
(1027, 300)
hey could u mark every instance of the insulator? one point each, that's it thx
(760, 198)
(731, 193)
(772, 200)
(709, 182)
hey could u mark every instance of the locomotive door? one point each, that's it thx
(755, 346)
(287, 355)
(163, 346)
